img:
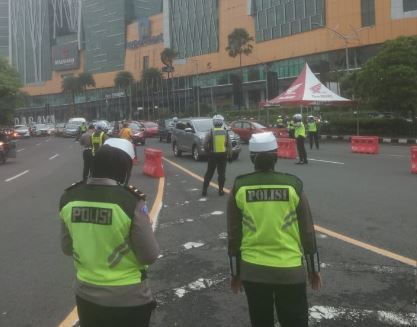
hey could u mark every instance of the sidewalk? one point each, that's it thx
(392, 140)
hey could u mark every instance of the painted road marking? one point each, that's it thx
(17, 176)
(341, 237)
(72, 319)
(53, 157)
(38, 144)
(20, 150)
(394, 155)
(192, 245)
(325, 161)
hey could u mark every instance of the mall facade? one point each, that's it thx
(51, 39)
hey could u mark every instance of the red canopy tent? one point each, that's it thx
(307, 90)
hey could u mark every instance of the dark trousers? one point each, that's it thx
(302, 154)
(218, 161)
(314, 137)
(290, 303)
(291, 133)
(88, 163)
(93, 315)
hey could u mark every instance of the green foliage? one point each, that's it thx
(123, 80)
(9, 91)
(167, 56)
(71, 85)
(239, 43)
(86, 80)
(152, 77)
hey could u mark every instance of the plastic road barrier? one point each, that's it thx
(414, 159)
(287, 148)
(153, 163)
(365, 144)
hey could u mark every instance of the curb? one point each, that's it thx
(381, 139)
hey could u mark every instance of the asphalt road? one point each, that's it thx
(368, 198)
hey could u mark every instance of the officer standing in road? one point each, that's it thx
(300, 136)
(280, 121)
(290, 128)
(218, 148)
(81, 130)
(85, 141)
(98, 138)
(107, 230)
(313, 133)
(270, 230)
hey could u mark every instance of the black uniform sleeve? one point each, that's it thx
(66, 240)
(234, 231)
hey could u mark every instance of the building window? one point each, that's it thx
(145, 62)
(409, 5)
(368, 12)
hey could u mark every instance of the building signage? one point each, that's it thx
(114, 95)
(145, 41)
(65, 57)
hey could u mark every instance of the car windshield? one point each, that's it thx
(71, 126)
(21, 128)
(257, 125)
(134, 127)
(203, 125)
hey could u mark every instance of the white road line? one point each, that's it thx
(54, 156)
(17, 176)
(20, 150)
(155, 222)
(47, 140)
(332, 162)
(394, 155)
(38, 144)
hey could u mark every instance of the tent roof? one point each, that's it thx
(308, 90)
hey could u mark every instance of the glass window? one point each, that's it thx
(368, 12)
(145, 62)
(246, 125)
(410, 5)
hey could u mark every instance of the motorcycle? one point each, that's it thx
(7, 148)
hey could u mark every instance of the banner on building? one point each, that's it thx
(65, 57)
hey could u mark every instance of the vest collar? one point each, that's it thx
(102, 181)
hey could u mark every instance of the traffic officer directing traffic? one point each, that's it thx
(290, 128)
(98, 138)
(270, 229)
(107, 230)
(300, 136)
(85, 141)
(313, 133)
(218, 148)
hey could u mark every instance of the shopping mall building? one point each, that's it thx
(51, 39)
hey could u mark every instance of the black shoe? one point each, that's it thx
(221, 192)
(204, 193)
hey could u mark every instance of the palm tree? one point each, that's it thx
(238, 45)
(167, 57)
(71, 85)
(124, 81)
(86, 80)
(152, 80)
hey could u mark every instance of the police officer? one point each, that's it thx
(81, 130)
(313, 133)
(218, 148)
(280, 121)
(98, 138)
(300, 136)
(270, 231)
(85, 141)
(107, 230)
(290, 128)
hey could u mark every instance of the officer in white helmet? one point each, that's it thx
(300, 136)
(270, 236)
(218, 149)
(99, 137)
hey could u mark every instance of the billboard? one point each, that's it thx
(65, 57)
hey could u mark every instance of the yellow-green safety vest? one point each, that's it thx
(312, 127)
(96, 141)
(219, 140)
(300, 131)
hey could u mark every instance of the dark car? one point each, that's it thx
(165, 130)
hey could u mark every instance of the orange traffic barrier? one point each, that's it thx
(287, 148)
(365, 144)
(153, 163)
(414, 159)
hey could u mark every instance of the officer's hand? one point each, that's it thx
(315, 280)
(236, 285)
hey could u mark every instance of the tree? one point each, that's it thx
(124, 81)
(9, 91)
(151, 82)
(238, 45)
(167, 56)
(389, 80)
(86, 80)
(71, 85)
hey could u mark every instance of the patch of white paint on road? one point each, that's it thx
(193, 189)
(202, 200)
(217, 213)
(37, 144)
(180, 292)
(198, 285)
(191, 245)
(54, 157)
(20, 150)
(326, 161)
(17, 176)
(223, 236)
(322, 236)
(155, 222)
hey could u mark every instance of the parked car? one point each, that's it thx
(22, 131)
(245, 129)
(59, 129)
(138, 131)
(40, 130)
(188, 136)
(165, 129)
(71, 130)
(151, 128)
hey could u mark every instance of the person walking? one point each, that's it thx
(98, 138)
(300, 136)
(313, 133)
(127, 134)
(106, 228)
(218, 149)
(85, 141)
(270, 231)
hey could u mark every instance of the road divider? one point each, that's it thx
(17, 176)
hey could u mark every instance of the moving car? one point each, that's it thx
(188, 136)
(165, 129)
(22, 131)
(151, 128)
(71, 130)
(245, 129)
(40, 130)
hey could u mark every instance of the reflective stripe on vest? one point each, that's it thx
(100, 234)
(219, 140)
(312, 127)
(96, 141)
(270, 233)
(300, 131)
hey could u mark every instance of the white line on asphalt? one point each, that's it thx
(53, 157)
(191, 245)
(20, 150)
(394, 155)
(199, 284)
(156, 217)
(47, 140)
(38, 144)
(17, 176)
(332, 162)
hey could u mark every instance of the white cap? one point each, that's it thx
(298, 116)
(263, 142)
(122, 144)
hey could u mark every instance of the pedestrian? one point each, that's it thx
(107, 230)
(218, 149)
(313, 133)
(300, 136)
(270, 230)
(127, 134)
(98, 138)
(85, 141)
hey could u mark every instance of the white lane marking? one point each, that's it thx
(38, 144)
(217, 213)
(202, 200)
(17, 176)
(191, 245)
(158, 211)
(20, 150)
(223, 236)
(199, 284)
(332, 162)
(54, 156)
(319, 313)
(47, 140)
(394, 155)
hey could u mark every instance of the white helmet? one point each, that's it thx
(218, 120)
(122, 144)
(175, 119)
(263, 142)
(100, 125)
(298, 117)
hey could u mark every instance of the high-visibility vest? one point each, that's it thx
(100, 234)
(97, 141)
(312, 127)
(270, 233)
(219, 140)
(300, 131)
(290, 125)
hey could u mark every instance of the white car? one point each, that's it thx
(22, 131)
